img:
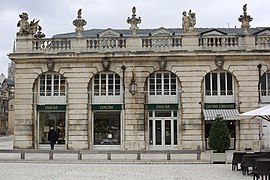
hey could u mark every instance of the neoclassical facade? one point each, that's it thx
(139, 88)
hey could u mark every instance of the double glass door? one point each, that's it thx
(162, 130)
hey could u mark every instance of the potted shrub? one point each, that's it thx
(219, 140)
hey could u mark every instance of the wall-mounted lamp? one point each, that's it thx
(133, 85)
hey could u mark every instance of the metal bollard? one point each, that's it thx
(168, 156)
(109, 156)
(138, 156)
(198, 156)
(51, 155)
(79, 156)
(22, 154)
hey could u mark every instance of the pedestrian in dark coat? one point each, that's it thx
(52, 137)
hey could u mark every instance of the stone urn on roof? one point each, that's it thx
(134, 21)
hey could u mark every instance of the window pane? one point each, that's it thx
(42, 85)
(162, 113)
(107, 128)
(49, 85)
(222, 84)
(173, 84)
(263, 85)
(117, 85)
(166, 84)
(56, 85)
(103, 84)
(175, 132)
(168, 132)
(151, 132)
(158, 84)
(214, 84)
(229, 84)
(158, 132)
(207, 85)
(268, 84)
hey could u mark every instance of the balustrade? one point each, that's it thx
(150, 43)
(262, 41)
(218, 41)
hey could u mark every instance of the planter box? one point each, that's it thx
(218, 157)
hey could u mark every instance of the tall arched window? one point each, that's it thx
(162, 83)
(218, 84)
(107, 88)
(52, 85)
(162, 88)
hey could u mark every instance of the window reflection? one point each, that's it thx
(107, 128)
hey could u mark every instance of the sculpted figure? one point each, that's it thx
(188, 22)
(185, 22)
(23, 24)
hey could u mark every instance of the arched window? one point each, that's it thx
(52, 84)
(107, 88)
(162, 83)
(265, 84)
(218, 84)
(107, 84)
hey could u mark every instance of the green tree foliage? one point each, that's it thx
(219, 135)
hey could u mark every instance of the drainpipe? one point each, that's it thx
(259, 66)
(123, 67)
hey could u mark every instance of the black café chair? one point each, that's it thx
(248, 161)
(262, 170)
(237, 159)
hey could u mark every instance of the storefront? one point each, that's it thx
(107, 126)
(51, 116)
(162, 126)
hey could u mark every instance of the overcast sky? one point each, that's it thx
(56, 16)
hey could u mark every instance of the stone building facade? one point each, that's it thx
(139, 88)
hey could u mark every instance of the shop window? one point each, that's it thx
(107, 129)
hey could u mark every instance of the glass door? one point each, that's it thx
(162, 130)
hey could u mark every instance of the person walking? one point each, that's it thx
(52, 137)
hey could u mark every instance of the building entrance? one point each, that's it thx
(51, 119)
(162, 130)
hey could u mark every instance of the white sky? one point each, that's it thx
(56, 16)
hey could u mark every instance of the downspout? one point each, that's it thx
(123, 67)
(259, 66)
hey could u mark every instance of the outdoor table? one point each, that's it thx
(262, 167)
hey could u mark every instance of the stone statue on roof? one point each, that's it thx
(188, 21)
(245, 19)
(133, 21)
(27, 28)
(79, 22)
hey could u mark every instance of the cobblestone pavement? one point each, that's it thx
(68, 168)
(53, 171)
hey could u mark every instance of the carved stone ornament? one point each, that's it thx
(162, 63)
(106, 63)
(133, 21)
(245, 19)
(188, 22)
(50, 65)
(79, 22)
(219, 61)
